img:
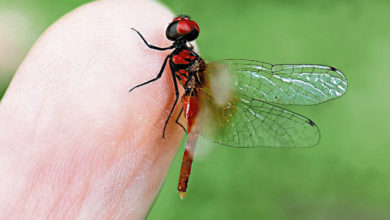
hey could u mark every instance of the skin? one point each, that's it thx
(75, 143)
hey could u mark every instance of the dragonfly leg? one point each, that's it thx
(177, 121)
(152, 46)
(174, 104)
(154, 79)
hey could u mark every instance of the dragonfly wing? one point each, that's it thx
(253, 123)
(297, 84)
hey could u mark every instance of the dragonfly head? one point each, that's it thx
(182, 28)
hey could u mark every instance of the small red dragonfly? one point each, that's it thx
(232, 102)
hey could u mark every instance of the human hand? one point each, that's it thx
(75, 143)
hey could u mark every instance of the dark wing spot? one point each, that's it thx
(332, 68)
(310, 122)
(276, 97)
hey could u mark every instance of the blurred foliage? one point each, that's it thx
(347, 176)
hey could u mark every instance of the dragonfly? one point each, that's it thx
(235, 102)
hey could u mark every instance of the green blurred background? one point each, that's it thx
(347, 176)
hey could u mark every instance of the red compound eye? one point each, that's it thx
(176, 19)
(183, 17)
(182, 28)
(185, 27)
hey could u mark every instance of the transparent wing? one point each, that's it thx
(252, 123)
(297, 84)
(238, 100)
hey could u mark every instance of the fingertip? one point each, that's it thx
(70, 98)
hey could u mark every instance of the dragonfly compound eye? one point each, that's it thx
(182, 28)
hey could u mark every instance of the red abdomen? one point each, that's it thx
(191, 109)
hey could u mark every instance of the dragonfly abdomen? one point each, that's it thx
(190, 102)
